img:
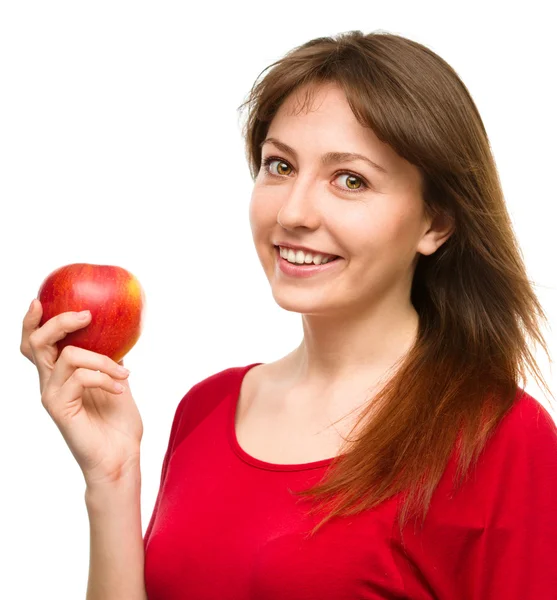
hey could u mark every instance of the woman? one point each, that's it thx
(392, 454)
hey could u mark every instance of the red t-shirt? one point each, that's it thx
(225, 526)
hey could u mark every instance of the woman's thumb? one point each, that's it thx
(34, 314)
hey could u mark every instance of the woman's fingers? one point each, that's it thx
(74, 359)
(42, 340)
(64, 403)
(38, 344)
(55, 329)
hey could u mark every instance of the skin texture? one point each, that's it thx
(359, 320)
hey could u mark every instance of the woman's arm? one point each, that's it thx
(116, 564)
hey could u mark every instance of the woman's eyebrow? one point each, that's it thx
(329, 157)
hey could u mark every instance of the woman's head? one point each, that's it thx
(373, 216)
(395, 100)
(435, 222)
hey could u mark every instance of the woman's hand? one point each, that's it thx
(101, 425)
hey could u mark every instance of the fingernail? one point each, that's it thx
(31, 305)
(83, 315)
(123, 370)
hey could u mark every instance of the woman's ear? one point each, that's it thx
(440, 229)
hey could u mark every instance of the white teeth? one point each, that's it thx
(300, 257)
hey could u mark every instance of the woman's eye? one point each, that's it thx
(354, 183)
(281, 167)
(352, 180)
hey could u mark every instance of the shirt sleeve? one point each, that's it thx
(518, 557)
(170, 449)
(495, 536)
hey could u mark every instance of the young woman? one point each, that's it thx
(392, 454)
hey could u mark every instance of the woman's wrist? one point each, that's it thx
(99, 495)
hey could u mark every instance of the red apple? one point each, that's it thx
(112, 294)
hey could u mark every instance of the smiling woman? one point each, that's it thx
(370, 149)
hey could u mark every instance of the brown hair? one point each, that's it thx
(475, 302)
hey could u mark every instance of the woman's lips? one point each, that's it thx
(303, 271)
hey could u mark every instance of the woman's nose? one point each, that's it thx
(300, 206)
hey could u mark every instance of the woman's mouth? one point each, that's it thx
(305, 270)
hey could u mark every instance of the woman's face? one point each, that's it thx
(372, 217)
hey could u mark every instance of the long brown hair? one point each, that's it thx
(475, 302)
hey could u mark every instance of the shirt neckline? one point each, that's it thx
(242, 454)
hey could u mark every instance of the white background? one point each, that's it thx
(120, 144)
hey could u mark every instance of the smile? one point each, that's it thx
(307, 269)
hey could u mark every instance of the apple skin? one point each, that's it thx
(112, 294)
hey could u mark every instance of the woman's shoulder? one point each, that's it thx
(521, 450)
(214, 387)
(223, 380)
(202, 397)
(527, 425)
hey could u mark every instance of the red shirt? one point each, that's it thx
(225, 527)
